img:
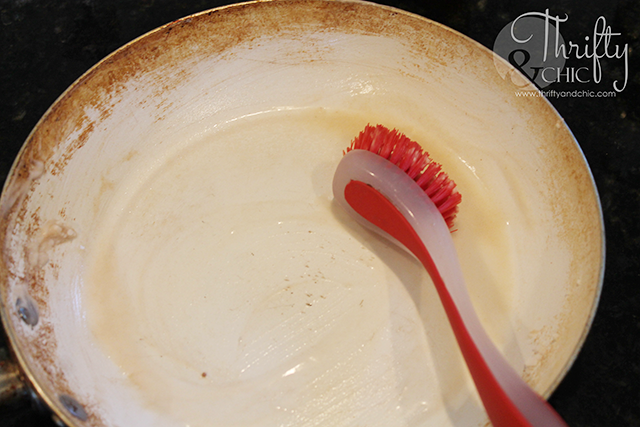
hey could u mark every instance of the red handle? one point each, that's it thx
(502, 411)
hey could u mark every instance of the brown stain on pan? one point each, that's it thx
(576, 213)
(169, 54)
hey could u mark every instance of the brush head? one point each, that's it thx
(409, 156)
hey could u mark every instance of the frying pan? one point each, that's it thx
(172, 255)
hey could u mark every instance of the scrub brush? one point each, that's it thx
(390, 185)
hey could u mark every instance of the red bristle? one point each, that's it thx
(436, 184)
(428, 175)
(409, 156)
(398, 151)
(418, 166)
(440, 196)
(451, 204)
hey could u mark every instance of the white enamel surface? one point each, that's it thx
(199, 273)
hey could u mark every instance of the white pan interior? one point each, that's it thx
(171, 221)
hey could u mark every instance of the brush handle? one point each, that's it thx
(387, 200)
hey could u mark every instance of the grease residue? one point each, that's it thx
(52, 234)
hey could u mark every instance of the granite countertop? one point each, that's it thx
(46, 45)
